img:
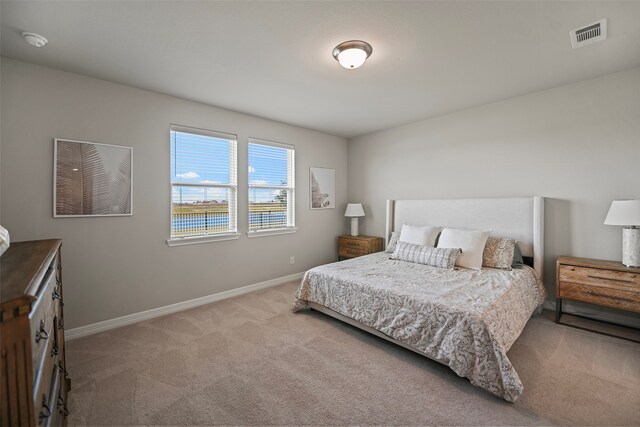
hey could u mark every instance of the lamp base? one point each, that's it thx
(354, 226)
(631, 246)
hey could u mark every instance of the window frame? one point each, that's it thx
(233, 234)
(290, 188)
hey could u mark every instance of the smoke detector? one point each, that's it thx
(589, 34)
(34, 39)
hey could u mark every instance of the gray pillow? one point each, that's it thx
(427, 255)
(393, 241)
(517, 257)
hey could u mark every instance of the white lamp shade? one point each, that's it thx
(354, 210)
(624, 212)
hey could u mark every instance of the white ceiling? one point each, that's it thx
(273, 59)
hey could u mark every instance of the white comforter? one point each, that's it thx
(463, 318)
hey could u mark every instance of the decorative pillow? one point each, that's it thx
(517, 257)
(4, 239)
(427, 255)
(393, 241)
(498, 253)
(470, 241)
(419, 235)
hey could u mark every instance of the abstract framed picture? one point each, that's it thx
(322, 188)
(91, 179)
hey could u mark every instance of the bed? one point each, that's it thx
(466, 319)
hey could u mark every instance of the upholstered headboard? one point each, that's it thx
(521, 218)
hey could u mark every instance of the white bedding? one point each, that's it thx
(466, 319)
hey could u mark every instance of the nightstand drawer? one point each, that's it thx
(627, 300)
(349, 252)
(353, 244)
(595, 277)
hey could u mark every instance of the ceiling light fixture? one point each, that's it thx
(352, 54)
(34, 39)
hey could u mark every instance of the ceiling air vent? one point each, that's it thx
(589, 34)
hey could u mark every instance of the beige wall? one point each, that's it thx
(121, 265)
(577, 145)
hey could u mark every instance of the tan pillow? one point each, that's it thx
(498, 253)
(393, 241)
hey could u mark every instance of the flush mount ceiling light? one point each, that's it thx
(34, 39)
(352, 54)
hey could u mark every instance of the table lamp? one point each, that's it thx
(354, 210)
(627, 214)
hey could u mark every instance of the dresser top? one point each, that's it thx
(597, 263)
(22, 267)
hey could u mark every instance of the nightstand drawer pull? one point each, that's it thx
(596, 294)
(610, 278)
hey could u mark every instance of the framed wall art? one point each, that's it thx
(322, 188)
(92, 179)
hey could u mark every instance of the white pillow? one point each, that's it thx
(424, 235)
(470, 241)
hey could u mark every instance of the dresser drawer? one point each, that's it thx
(41, 318)
(620, 280)
(44, 374)
(47, 412)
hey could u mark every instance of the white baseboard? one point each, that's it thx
(596, 313)
(94, 328)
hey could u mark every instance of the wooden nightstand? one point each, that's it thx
(352, 247)
(592, 281)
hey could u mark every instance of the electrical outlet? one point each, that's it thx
(292, 260)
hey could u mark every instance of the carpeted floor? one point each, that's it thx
(250, 361)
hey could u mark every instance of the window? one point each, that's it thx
(203, 185)
(271, 188)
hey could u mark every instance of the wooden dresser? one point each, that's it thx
(355, 246)
(34, 376)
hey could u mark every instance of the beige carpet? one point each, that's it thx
(250, 361)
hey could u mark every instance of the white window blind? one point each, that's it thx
(271, 186)
(203, 183)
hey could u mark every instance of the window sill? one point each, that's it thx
(271, 232)
(181, 241)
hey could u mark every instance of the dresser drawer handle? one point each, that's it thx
(45, 412)
(608, 278)
(55, 294)
(62, 409)
(595, 294)
(60, 325)
(54, 350)
(41, 334)
(63, 370)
